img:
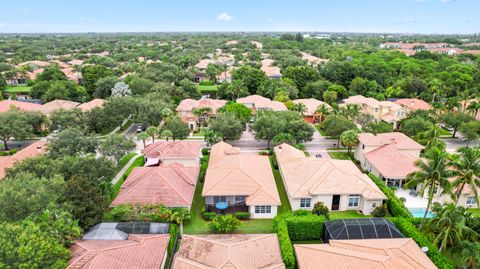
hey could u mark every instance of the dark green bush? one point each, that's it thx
(394, 205)
(148, 213)
(288, 256)
(320, 209)
(207, 83)
(208, 215)
(223, 224)
(205, 151)
(173, 231)
(380, 211)
(308, 227)
(406, 227)
(242, 215)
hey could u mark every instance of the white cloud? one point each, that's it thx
(224, 17)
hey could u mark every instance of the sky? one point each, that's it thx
(373, 16)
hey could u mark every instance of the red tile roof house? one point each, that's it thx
(88, 106)
(33, 150)
(390, 156)
(5, 105)
(187, 106)
(413, 104)
(172, 186)
(311, 115)
(184, 152)
(257, 102)
(138, 252)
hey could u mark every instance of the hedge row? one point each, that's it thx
(280, 227)
(406, 227)
(395, 206)
(296, 226)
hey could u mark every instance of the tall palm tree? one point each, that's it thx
(179, 216)
(431, 138)
(474, 107)
(152, 131)
(323, 110)
(466, 169)
(469, 253)
(351, 111)
(300, 108)
(167, 134)
(433, 172)
(449, 226)
(144, 136)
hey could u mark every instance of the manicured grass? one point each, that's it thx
(475, 211)
(349, 214)
(285, 207)
(444, 132)
(322, 132)
(18, 89)
(124, 160)
(201, 132)
(125, 126)
(207, 88)
(340, 155)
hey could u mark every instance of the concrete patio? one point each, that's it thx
(414, 201)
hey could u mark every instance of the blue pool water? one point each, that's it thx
(419, 212)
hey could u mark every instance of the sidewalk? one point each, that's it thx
(124, 169)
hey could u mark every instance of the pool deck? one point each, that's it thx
(412, 201)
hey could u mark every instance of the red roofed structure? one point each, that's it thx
(138, 252)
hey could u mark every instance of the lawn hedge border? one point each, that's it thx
(405, 226)
(301, 226)
(395, 206)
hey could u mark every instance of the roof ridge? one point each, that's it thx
(168, 183)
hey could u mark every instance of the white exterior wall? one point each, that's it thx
(262, 216)
(165, 256)
(462, 201)
(368, 207)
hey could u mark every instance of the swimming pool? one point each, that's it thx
(419, 212)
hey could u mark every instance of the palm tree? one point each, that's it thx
(152, 131)
(179, 216)
(323, 110)
(474, 107)
(431, 138)
(469, 253)
(144, 136)
(466, 169)
(449, 226)
(300, 108)
(349, 139)
(351, 111)
(166, 134)
(431, 174)
(202, 111)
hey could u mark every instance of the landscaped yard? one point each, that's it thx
(475, 211)
(322, 132)
(340, 155)
(349, 214)
(197, 225)
(18, 89)
(207, 88)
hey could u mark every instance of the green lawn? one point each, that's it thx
(340, 155)
(18, 89)
(201, 132)
(197, 225)
(444, 132)
(140, 161)
(322, 132)
(207, 88)
(349, 214)
(475, 211)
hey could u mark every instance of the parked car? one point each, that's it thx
(140, 128)
(318, 155)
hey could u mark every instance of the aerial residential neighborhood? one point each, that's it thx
(233, 134)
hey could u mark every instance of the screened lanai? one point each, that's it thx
(368, 228)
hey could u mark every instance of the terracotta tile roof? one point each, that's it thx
(190, 104)
(58, 104)
(413, 104)
(269, 69)
(33, 150)
(397, 253)
(179, 149)
(311, 104)
(260, 102)
(92, 104)
(392, 162)
(308, 176)
(138, 252)
(171, 186)
(204, 63)
(245, 251)
(75, 62)
(475, 52)
(71, 74)
(33, 74)
(232, 173)
(35, 63)
(313, 59)
(359, 100)
(5, 105)
(400, 140)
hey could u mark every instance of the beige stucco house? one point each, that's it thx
(186, 153)
(186, 109)
(244, 181)
(390, 156)
(380, 110)
(339, 184)
(256, 102)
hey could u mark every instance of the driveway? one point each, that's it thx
(455, 143)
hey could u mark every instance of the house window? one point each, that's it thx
(471, 200)
(374, 205)
(263, 209)
(217, 199)
(305, 202)
(435, 189)
(184, 113)
(239, 200)
(353, 200)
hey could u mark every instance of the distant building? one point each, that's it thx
(186, 109)
(35, 149)
(311, 115)
(257, 102)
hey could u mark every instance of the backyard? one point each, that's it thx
(18, 89)
(340, 155)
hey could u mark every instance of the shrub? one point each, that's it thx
(173, 231)
(300, 146)
(263, 153)
(205, 151)
(224, 224)
(208, 215)
(207, 83)
(405, 226)
(288, 256)
(394, 205)
(320, 209)
(306, 227)
(242, 215)
(380, 211)
(148, 213)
